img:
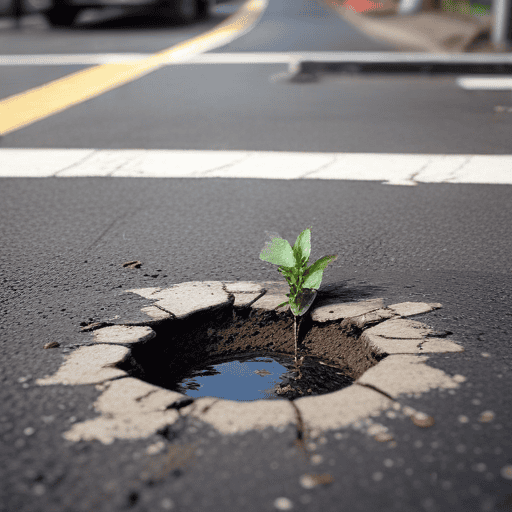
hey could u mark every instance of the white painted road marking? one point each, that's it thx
(490, 83)
(392, 169)
(259, 58)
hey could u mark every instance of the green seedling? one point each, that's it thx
(302, 279)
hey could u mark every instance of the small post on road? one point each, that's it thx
(502, 10)
(17, 12)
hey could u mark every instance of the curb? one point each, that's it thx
(132, 409)
(402, 62)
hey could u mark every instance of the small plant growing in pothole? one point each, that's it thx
(302, 279)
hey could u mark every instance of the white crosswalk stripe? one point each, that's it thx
(393, 169)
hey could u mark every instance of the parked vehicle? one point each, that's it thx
(63, 12)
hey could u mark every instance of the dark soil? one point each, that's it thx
(331, 355)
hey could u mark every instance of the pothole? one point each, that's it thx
(249, 355)
(145, 369)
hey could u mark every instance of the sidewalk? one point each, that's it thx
(428, 31)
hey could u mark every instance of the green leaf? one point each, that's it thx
(302, 302)
(282, 304)
(279, 252)
(302, 247)
(314, 273)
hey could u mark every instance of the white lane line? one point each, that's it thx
(391, 169)
(490, 83)
(259, 58)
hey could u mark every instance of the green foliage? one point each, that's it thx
(292, 262)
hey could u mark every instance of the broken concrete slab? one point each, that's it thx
(374, 317)
(88, 365)
(400, 328)
(131, 409)
(341, 408)
(400, 374)
(440, 345)
(243, 287)
(414, 308)
(107, 429)
(186, 298)
(123, 334)
(157, 315)
(131, 396)
(246, 299)
(393, 346)
(230, 417)
(275, 294)
(335, 310)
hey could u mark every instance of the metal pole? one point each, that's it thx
(502, 14)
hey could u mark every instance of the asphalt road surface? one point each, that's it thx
(64, 242)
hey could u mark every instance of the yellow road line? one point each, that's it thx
(22, 109)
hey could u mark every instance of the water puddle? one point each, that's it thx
(244, 380)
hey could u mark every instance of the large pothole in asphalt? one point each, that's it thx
(249, 355)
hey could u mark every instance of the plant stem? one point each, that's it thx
(295, 333)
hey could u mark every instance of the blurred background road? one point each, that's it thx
(64, 242)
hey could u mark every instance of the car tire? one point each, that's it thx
(62, 16)
(205, 9)
(185, 10)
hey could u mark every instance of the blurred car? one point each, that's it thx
(62, 13)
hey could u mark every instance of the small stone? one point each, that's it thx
(132, 264)
(383, 437)
(309, 481)
(52, 344)
(486, 417)
(316, 459)
(506, 472)
(422, 420)
(283, 504)
(167, 504)
(29, 431)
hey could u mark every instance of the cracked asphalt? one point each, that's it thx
(64, 246)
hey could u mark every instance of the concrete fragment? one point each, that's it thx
(392, 346)
(440, 345)
(230, 417)
(398, 374)
(244, 299)
(156, 313)
(131, 409)
(414, 308)
(123, 334)
(186, 298)
(373, 317)
(88, 365)
(341, 408)
(133, 397)
(336, 310)
(243, 287)
(275, 295)
(106, 429)
(400, 328)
